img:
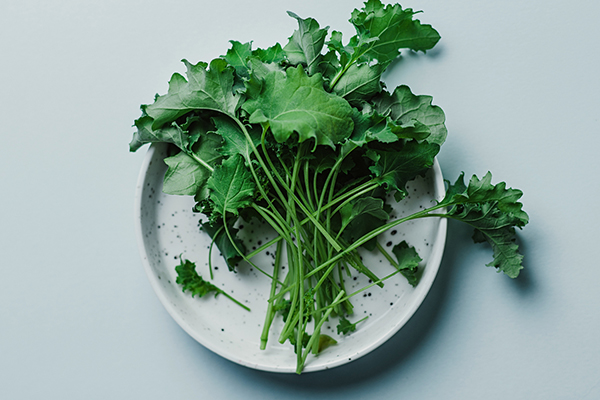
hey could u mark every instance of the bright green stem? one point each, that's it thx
(290, 192)
(234, 300)
(200, 161)
(300, 260)
(300, 366)
(241, 253)
(346, 298)
(212, 243)
(343, 70)
(270, 313)
(354, 193)
(387, 256)
(376, 232)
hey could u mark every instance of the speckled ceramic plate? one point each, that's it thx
(166, 228)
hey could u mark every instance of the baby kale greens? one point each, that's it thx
(189, 279)
(306, 138)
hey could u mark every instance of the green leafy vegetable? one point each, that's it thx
(394, 29)
(188, 171)
(306, 139)
(305, 45)
(210, 89)
(408, 261)
(231, 186)
(189, 279)
(393, 169)
(494, 212)
(295, 102)
(416, 112)
(232, 251)
(344, 327)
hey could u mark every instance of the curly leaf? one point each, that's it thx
(305, 45)
(406, 109)
(345, 327)
(231, 186)
(185, 174)
(193, 283)
(494, 212)
(210, 89)
(189, 279)
(234, 140)
(294, 102)
(408, 261)
(272, 55)
(394, 29)
(237, 56)
(393, 169)
(370, 126)
(229, 250)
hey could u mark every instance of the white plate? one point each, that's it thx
(166, 228)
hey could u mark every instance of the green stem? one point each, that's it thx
(200, 161)
(343, 70)
(300, 365)
(264, 337)
(212, 243)
(346, 298)
(234, 300)
(387, 256)
(376, 232)
(352, 194)
(290, 192)
(230, 237)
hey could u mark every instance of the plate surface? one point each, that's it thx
(167, 228)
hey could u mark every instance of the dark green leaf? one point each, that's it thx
(260, 69)
(362, 216)
(169, 134)
(370, 126)
(483, 191)
(234, 140)
(394, 29)
(361, 211)
(237, 56)
(294, 102)
(273, 54)
(210, 89)
(335, 44)
(408, 261)
(305, 45)
(231, 186)
(359, 82)
(407, 110)
(328, 66)
(344, 327)
(393, 169)
(220, 238)
(185, 174)
(494, 212)
(193, 283)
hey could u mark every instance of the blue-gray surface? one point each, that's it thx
(519, 84)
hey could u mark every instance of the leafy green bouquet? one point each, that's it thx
(307, 139)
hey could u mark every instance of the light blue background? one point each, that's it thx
(78, 319)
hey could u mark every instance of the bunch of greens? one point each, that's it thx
(307, 139)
